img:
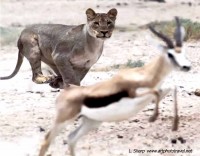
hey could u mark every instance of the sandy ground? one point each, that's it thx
(26, 107)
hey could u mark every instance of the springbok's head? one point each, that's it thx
(175, 52)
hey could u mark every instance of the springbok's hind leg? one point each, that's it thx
(86, 126)
(50, 137)
(161, 94)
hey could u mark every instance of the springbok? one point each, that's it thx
(118, 99)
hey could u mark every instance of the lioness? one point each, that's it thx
(69, 50)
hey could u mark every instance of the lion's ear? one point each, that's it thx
(112, 13)
(90, 14)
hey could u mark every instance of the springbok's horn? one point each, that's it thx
(177, 33)
(163, 37)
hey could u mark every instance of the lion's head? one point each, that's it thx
(101, 25)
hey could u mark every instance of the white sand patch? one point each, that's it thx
(24, 146)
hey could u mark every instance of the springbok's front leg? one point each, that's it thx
(161, 94)
(176, 116)
(86, 126)
(157, 95)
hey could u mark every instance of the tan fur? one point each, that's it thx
(69, 50)
(71, 100)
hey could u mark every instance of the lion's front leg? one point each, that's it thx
(67, 72)
(57, 82)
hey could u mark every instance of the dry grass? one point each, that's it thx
(9, 35)
(168, 27)
(127, 65)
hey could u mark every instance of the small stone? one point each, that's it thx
(64, 142)
(131, 138)
(55, 91)
(141, 127)
(41, 129)
(181, 140)
(119, 136)
(135, 120)
(173, 141)
(118, 4)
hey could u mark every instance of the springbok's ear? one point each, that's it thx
(155, 43)
(90, 14)
(112, 14)
(162, 48)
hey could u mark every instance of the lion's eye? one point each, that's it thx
(109, 22)
(96, 23)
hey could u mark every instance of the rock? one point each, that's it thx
(197, 92)
(16, 24)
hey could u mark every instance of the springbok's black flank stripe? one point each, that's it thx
(96, 102)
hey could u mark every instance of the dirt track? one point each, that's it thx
(25, 107)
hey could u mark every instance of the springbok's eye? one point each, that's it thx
(96, 23)
(170, 55)
(109, 22)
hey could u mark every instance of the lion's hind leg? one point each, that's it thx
(31, 50)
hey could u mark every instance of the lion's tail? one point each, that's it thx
(18, 65)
